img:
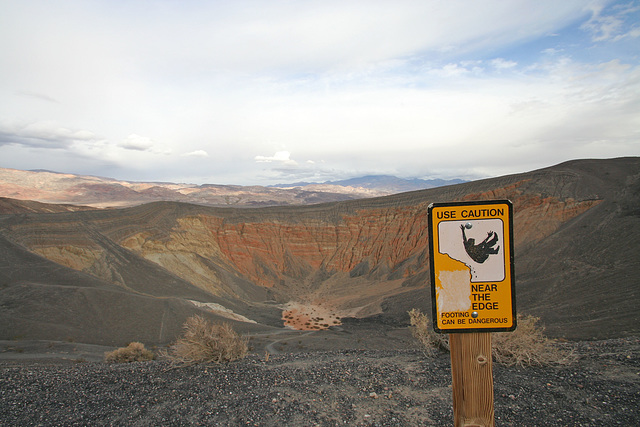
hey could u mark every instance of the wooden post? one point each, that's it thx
(472, 372)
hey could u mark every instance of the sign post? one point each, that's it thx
(473, 294)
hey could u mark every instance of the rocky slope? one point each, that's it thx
(577, 235)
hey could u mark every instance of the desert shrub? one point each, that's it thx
(134, 352)
(526, 346)
(205, 342)
(422, 331)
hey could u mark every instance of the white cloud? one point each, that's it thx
(502, 64)
(196, 153)
(611, 24)
(279, 157)
(602, 27)
(47, 134)
(137, 142)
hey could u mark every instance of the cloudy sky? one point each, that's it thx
(278, 91)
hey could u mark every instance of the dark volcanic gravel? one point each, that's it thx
(383, 388)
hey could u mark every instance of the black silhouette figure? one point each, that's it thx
(480, 252)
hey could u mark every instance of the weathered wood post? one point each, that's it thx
(473, 294)
(472, 375)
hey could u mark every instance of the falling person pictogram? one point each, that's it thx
(480, 252)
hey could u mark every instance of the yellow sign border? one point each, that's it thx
(492, 305)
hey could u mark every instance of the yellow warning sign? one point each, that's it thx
(472, 280)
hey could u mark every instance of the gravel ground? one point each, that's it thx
(354, 387)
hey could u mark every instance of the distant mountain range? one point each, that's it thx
(63, 188)
(386, 183)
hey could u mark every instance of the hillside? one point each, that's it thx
(68, 274)
(14, 206)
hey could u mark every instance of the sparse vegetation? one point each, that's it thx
(134, 352)
(205, 342)
(526, 346)
(422, 331)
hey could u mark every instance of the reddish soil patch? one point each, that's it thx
(309, 317)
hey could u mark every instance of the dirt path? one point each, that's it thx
(289, 334)
(270, 347)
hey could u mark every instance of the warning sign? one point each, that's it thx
(472, 280)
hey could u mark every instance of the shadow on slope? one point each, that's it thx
(42, 300)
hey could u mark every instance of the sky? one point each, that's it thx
(281, 91)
